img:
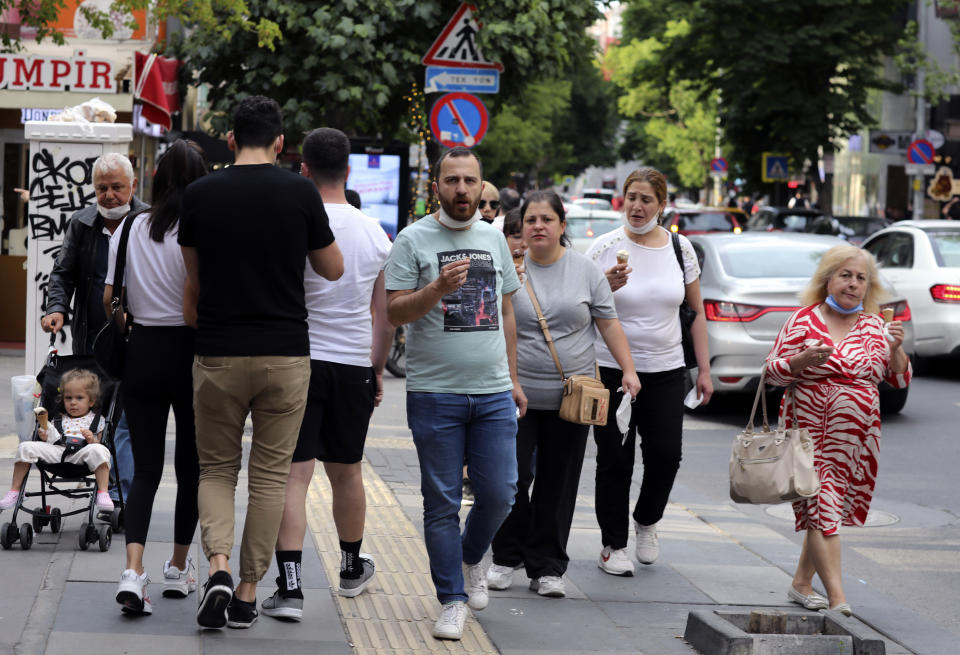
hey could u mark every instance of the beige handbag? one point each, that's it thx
(585, 399)
(773, 466)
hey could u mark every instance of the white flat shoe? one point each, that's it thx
(812, 602)
(843, 608)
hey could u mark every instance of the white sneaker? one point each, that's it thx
(450, 623)
(177, 583)
(132, 593)
(615, 562)
(548, 585)
(499, 577)
(475, 584)
(648, 546)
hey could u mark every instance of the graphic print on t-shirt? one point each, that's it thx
(472, 307)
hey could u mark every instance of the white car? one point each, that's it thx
(922, 260)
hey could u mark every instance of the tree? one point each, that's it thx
(792, 76)
(222, 16)
(350, 63)
(522, 136)
(678, 123)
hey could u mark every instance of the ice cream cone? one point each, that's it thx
(622, 256)
(887, 314)
(41, 417)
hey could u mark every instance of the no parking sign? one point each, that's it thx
(459, 119)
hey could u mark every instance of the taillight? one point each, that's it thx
(945, 292)
(722, 310)
(901, 310)
(737, 229)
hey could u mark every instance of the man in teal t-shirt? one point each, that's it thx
(450, 277)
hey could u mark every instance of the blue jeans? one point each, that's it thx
(446, 427)
(123, 465)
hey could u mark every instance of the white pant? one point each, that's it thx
(92, 455)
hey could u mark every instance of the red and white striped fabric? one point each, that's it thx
(839, 404)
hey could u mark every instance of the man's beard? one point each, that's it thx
(452, 212)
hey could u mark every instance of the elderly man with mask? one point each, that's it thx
(79, 271)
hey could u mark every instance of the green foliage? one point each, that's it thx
(349, 64)
(224, 17)
(521, 137)
(912, 58)
(678, 124)
(791, 76)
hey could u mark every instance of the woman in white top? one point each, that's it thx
(158, 375)
(648, 290)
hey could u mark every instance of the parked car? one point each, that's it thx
(922, 260)
(853, 229)
(785, 219)
(750, 285)
(698, 220)
(592, 203)
(583, 226)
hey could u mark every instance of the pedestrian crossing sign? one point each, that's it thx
(775, 168)
(457, 46)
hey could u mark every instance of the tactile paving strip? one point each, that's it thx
(397, 611)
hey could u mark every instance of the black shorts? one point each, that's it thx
(339, 406)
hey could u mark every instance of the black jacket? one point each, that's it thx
(73, 271)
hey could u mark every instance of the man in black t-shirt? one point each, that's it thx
(245, 233)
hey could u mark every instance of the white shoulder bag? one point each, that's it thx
(773, 466)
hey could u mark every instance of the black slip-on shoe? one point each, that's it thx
(241, 614)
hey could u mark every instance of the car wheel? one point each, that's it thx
(892, 400)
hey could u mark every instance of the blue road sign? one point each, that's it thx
(776, 168)
(718, 165)
(920, 152)
(469, 80)
(459, 119)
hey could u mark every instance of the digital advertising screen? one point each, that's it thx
(377, 178)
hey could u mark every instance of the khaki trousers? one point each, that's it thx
(273, 390)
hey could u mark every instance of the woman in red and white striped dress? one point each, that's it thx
(834, 352)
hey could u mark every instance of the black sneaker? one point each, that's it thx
(217, 592)
(241, 614)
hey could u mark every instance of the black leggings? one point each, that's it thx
(158, 375)
(658, 417)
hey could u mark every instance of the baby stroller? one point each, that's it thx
(65, 479)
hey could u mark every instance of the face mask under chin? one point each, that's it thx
(113, 213)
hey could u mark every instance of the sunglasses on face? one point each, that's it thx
(494, 204)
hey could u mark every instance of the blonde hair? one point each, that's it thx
(90, 380)
(651, 176)
(816, 291)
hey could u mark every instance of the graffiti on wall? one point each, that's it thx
(61, 183)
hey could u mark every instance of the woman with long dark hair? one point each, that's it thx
(158, 375)
(575, 299)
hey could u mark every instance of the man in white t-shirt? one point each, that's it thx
(348, 349)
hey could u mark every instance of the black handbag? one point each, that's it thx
(110, 345)
(687, 314)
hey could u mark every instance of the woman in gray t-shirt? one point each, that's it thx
(574, 297)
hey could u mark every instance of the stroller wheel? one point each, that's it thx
(83, 536)
(106, 538)
(38, 521)
(8, 535)
(55, 520)
(116, 520)
(26, 536)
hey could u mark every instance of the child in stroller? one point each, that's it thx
(77, 441)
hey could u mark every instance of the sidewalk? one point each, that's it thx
(713, 556)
